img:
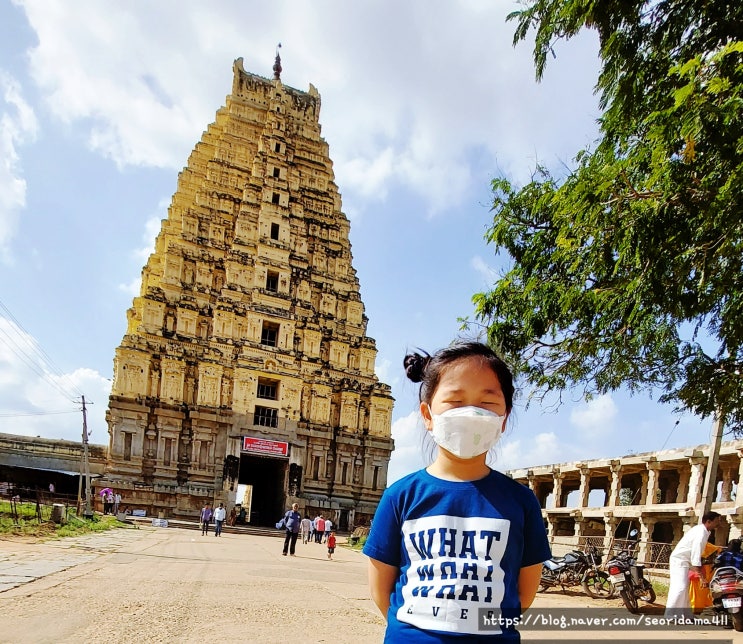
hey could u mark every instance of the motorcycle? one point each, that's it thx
(726, 587)
(577, 567)
(628, 579)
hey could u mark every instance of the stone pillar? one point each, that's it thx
(557, 486)
(679, 529)
(532, 480)
(688, 521)
(646, 534)
(643, 488)
(351, 519)
(585, 486)
(579, 525)
(616, 482)
(696, 480)
(550, 528)
(722, 534)
(652, 484)
(727, 484)
(610, 526)
(684, 476)
(736, 526)
(739, 492)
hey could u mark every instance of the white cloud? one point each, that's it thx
(595, 417)
(140, 255)
(368, 176)
(411, 451)
(543, 449)
(132, 288)
(151, 231)
(17, 126)
(36, 399)
(488, 273)
(105, 65)
(387, 373)
(144, 94)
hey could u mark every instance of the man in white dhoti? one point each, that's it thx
(685, 558)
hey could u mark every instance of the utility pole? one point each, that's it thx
(710, 475)
(88, 512)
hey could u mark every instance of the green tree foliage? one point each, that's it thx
(628, 271)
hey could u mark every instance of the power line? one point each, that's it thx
(35, 358)
(673, 429)
(40, 413)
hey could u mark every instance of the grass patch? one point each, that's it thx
(660, 588)
(358, 545)
(28, 526)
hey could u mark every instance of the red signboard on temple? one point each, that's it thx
(265, 446)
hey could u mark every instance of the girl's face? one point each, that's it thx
(469, 382)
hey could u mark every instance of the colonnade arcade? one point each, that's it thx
(657, 493)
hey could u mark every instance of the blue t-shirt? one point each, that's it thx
(460, 547)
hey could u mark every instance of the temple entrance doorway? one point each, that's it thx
(266, 475)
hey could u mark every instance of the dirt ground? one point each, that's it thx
(174, 585)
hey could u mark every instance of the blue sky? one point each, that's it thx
(423, 103)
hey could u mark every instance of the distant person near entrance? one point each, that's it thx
(328, 529)
(306, 528)
(205, 518)
(319, 528)
(219, 516)
(292, 521)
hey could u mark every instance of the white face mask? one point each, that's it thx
(467, 432)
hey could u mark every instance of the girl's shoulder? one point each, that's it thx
(414, 479)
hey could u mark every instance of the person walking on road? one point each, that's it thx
(292, 522)
(219, 516)
(685, 562)
(328, 529)
(331, 544)
(319, 528)
(306, 528)
(109, 502)
(205, 518)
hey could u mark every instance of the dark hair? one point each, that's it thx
(427, 369)
(710, 516)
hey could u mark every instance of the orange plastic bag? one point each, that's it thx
(700, 596)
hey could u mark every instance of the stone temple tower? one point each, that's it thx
(245, 365)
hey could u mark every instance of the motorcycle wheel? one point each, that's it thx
(596, 584)
(547, 579)
(737, 620)
(630, 601)
(648, 594)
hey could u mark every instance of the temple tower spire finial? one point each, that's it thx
(277, 64)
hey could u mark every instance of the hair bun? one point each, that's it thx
(415, 366)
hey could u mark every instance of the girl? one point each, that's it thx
(456, 549)
(331, 544)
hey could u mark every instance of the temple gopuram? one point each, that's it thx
(245, 365)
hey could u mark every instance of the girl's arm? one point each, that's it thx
(382, 578)
(528, 583)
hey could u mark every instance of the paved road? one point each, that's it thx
(173, 585)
